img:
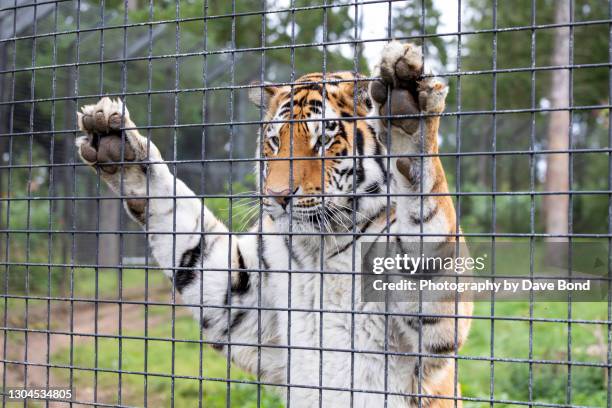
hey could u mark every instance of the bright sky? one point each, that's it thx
(376, 17)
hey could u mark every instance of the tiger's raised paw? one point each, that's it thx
(402, 89)
(105, 145)
(111, 143)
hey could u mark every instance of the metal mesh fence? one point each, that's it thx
(524, 142)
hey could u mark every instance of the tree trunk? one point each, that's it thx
(556, 207)
(4, 120)
(132, 5)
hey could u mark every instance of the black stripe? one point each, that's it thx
(391, 222)
(442, 348)
(424, 321)
(373, 188)
(359, 174)
(359, 141)
(426, 218)
(344, 171)
(261, 252)
(191, 256)
(371, 129)
(331, 125)
(400, 243)
(379, 160)
(236, 320)
(334, 142)
(369, 221)
(344, 248)
(359, 170)
(207, 247)
(240, 260)
(243, 283)
(358, 235)
(341, 133)
(290, 250)
(239, 287)
(422, 402)
(310, 87)
(183, 278)
(315, 103)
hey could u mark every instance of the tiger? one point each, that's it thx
(345, 159)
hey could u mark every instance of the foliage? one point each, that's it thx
(243, 210)
(413, 19)
(186, 391)
(506, 337)
(523, 131)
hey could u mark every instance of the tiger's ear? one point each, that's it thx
(261, 94)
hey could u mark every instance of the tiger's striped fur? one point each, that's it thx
(326, 173)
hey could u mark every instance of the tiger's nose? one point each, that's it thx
(281, 197)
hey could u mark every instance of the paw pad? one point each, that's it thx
(402, 85)
(400, 63)
(105, 145)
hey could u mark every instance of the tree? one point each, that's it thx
(557, 170)
(522, 89)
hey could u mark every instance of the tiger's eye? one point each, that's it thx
(331, 126)
(324, 139)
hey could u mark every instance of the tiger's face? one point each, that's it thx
(315, 174)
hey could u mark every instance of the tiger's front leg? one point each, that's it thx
(420, 171)
(424, 210)
(186, 239)
(133, 168)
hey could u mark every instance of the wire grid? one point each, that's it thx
(65, 174)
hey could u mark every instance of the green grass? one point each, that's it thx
(83, 281)
(159, 364)
(510, 339)
(86, 282)
(110, 279)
